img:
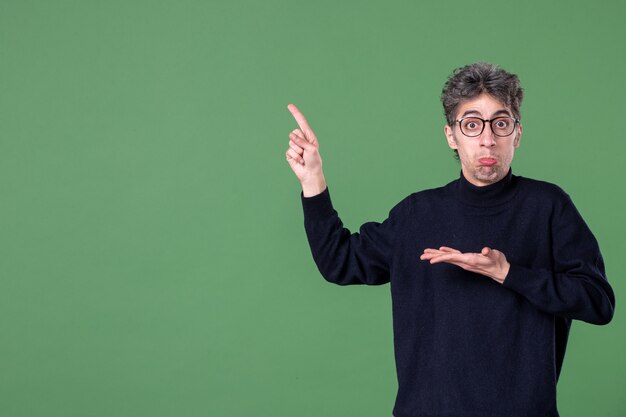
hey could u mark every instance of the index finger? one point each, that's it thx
(449, 249)
(301, 120)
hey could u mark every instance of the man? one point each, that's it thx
(486, 272)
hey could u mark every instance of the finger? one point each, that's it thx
(478, 268)
(431, 250)
(490, 253)
(297, 133)
(493, 254)
(448, 249)
(294, 155)
(435, 259)
(442, 250)
(464, 258)
(449, 258)
(292, 162)
(293, 136)
(296, 148)
(296, 167)
(303, 143)
(300, 119)
(430, 253)
(304, 125)
(451, 262)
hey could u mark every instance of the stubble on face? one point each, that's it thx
(488, 174)
(482, 174)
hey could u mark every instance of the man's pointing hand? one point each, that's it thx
(303, 156)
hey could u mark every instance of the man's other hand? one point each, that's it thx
(489, 262)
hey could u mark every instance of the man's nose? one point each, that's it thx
(487, 138)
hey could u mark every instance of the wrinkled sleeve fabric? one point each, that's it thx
(576, 286)
(342, 257)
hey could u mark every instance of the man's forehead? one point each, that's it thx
(478, 112)
(485, 105)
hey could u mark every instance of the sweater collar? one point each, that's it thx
(488, 195)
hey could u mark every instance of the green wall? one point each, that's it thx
(153, 260)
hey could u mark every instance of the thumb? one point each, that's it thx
(486, 251)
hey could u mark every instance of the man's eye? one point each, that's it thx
(502, 124)
(472, 125)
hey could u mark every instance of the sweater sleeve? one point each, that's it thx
(342, 257)
(576, 286)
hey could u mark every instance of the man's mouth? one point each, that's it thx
(488, 161)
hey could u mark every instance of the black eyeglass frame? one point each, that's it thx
(515, 123)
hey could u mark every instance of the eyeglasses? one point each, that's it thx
(500, 126)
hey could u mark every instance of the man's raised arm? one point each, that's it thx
(342, 257)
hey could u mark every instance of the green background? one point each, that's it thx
(153, 260)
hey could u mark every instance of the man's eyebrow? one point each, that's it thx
(498, 113)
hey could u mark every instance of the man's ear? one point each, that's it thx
(449, 136)
(518, 137)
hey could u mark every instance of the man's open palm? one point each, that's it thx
(489, 262)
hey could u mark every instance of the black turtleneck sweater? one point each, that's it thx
(465, 345)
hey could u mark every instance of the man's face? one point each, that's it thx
(485, 159)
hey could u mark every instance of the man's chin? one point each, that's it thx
(488, 175)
